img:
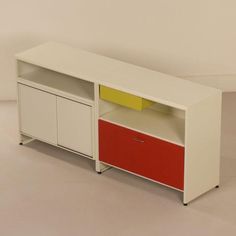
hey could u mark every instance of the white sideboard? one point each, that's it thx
(174, 141)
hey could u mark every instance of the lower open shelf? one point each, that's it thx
(151, 122)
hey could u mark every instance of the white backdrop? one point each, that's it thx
(181, 37)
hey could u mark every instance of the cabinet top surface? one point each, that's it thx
(130, 78)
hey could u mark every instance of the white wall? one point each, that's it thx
(180, 37)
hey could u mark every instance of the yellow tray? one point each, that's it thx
(123, 98)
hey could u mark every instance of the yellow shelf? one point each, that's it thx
(123, 98)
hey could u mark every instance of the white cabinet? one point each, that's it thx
(38, 113)
(60, 103)
(55, 119)
(55, 108)
(74, 125)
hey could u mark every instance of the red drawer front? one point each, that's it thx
(141, 154)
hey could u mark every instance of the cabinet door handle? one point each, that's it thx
(138, 140)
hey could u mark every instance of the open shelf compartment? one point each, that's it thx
(55, 82)
(160, 121)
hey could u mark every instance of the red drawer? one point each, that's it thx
(141, 154)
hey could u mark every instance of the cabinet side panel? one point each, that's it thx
(202, 147)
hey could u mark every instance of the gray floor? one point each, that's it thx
(50, 192)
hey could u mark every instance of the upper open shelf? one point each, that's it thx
(58, 83)
(151, 122)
